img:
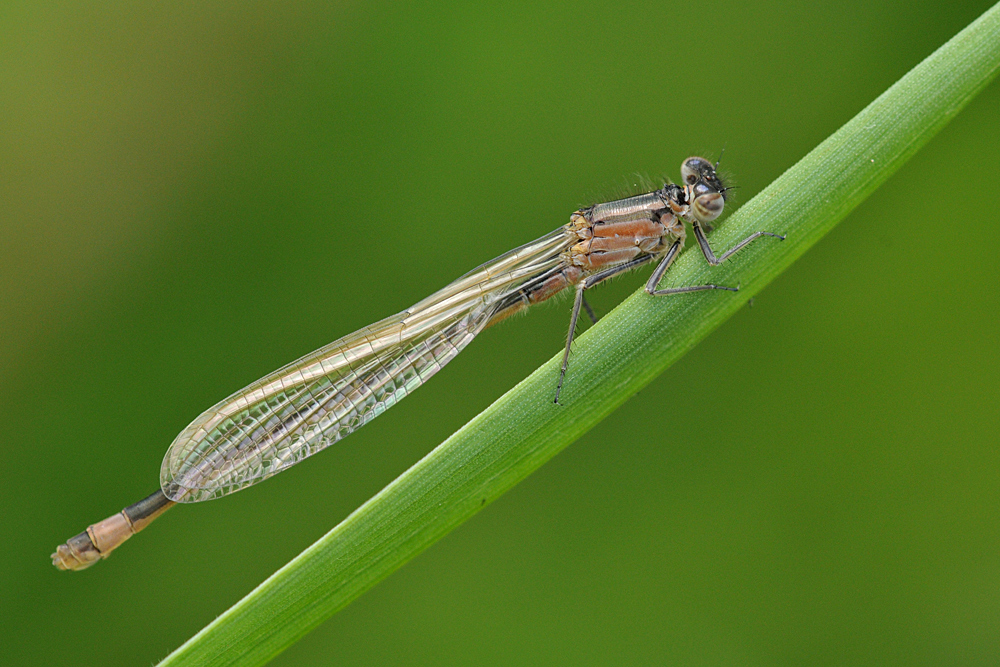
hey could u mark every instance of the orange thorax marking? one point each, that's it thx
(606, 244)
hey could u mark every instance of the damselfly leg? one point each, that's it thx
(715, 261)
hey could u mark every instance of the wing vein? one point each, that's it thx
(321, 398)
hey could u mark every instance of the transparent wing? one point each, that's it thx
(312, 403)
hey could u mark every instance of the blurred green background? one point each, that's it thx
(193, 194)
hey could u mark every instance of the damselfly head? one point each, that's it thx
(706, 192)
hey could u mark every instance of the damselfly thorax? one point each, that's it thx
(321, 398)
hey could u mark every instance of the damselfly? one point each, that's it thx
(312, 403)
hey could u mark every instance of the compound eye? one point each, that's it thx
(695, 168)
(708, 207)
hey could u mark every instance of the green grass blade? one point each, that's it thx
(611, 362)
